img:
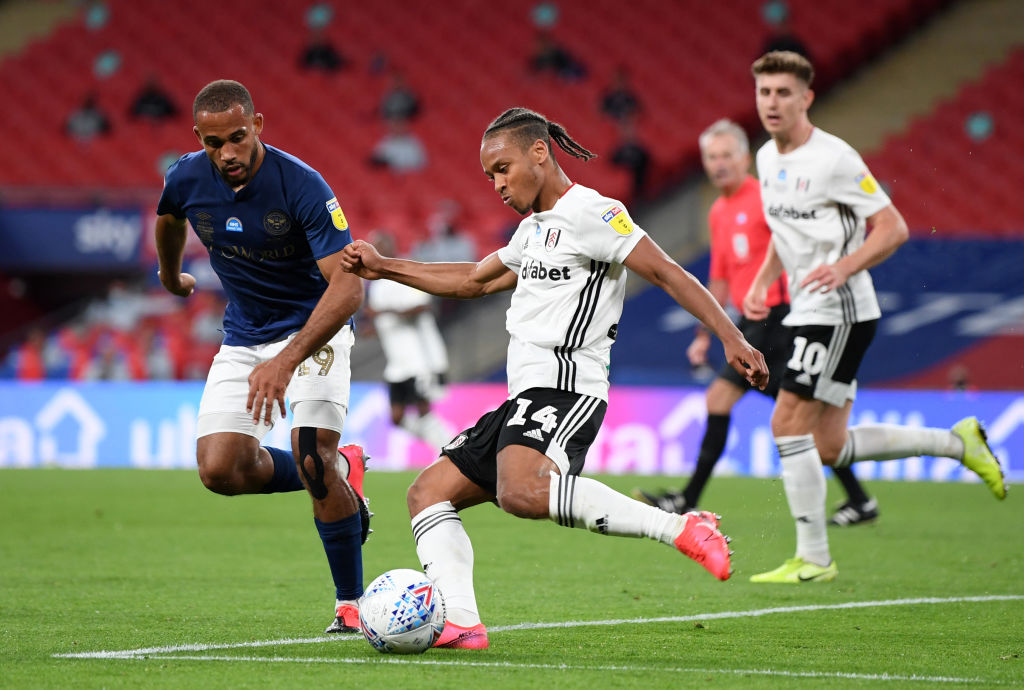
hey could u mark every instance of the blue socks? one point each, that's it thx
(343, 545)
(342, 539)
(286, 473)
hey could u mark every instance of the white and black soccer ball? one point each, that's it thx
(402, 612)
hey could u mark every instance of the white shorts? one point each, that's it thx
(317, 395)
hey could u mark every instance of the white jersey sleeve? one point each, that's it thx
(607, 233)
(512, 254)
(387, 295)
(852, 185)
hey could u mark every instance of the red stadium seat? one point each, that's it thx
(972, 185)
(330, 120)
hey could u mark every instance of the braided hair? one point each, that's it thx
(527, 126)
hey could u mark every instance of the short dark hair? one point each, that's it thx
(784, 62)
(221, 95)
(527, 126)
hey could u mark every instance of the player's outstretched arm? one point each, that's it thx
(650, 262)
(755, 305)
(341, 299)
(888, 232)
(461, 280)
(697, 352)
(171, 233)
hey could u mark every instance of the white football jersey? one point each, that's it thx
(434, 349)
(408, 350)
(566, 306)
(816, 199)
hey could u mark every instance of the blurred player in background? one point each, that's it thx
(818, 198)
(274, 231)
(739, 239)
(417, 359)
(566, 263)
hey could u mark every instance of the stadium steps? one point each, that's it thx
(22, 21)
(957, 46)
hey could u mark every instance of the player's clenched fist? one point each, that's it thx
(748, 361)
(362, 258)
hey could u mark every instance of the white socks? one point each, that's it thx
(588, 504)
(891, 442)
(804, 480)
(446, 554)
(428, 428)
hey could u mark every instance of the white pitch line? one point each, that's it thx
(761, 612)
(569, 667)
(202, 647)
(754, 613)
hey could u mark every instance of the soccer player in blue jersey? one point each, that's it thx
(274, 231)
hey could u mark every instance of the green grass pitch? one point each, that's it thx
(234, 593)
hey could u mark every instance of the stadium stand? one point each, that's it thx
(957, 170)
(951, 297)
(468, 63)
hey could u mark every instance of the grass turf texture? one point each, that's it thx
(120, 560)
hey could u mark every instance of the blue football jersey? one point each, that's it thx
(264, 240)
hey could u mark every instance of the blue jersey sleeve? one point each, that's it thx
(320, 214)
(170, 199)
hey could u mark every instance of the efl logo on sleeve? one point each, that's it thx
(618, 219)
(867, 182)
(337, 216)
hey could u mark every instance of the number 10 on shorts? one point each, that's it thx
(808, 356)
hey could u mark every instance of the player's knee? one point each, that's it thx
(783, 421)
(721, 396)
(329, 454)
(415, 498)
(318, 460)
(523, 501)
(220, 474)
(421, 495)
(829, 450)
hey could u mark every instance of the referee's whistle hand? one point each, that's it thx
(754, 304)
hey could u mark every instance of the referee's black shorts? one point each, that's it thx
(773, 340)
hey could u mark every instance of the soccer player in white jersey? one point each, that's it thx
(415, 354)
(566, 263)
(739, 239)
(818, 198)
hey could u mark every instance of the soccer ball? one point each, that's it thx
(402, 612)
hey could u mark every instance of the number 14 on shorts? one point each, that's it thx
(545, 416)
